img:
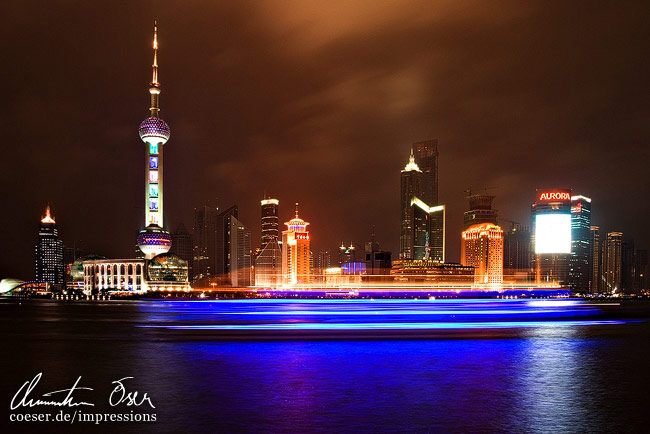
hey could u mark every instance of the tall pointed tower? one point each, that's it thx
(154, 132)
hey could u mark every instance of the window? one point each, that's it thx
(153, 176)
(153, 162)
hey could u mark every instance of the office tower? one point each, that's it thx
(48, 252)
(641, 270)
(154, 132)
(296, 251)
(480, 210)
(347, 254)
(377, 261)
(595, 253)
(204, 263)
(240, 253)
(516, 252)
(612, 267)
(324, 260)
(551, 215)
(223, 240)
(627, 267)
(426, 158)
(183, 247)
(412, 183)
(270, 221)
(580, 261)
(428, 232)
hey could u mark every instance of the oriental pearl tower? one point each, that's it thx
(154, 239)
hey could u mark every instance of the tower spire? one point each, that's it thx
(154, 86)
(296, 209)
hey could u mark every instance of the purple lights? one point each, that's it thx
(154, 127)
(154, 236)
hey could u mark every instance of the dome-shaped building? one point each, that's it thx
(167, 268)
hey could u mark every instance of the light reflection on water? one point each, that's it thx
(549, 376)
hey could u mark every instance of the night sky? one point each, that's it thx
(318, 102)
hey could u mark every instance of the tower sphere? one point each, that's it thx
(154, 128)
(154, 240)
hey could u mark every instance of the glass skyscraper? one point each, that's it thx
(580, 262)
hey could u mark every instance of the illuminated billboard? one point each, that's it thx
(552, 233)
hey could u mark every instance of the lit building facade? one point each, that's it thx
(430, 271)
(551, 215)
(425, 154)
(428, 231)
(612, 263)
(482, 248)
(270, 221)
(296, 252)
(411, 185)
(595, 276)
(48, 252)
(347, 254)
(154, 132)
(240, 254)
(580, 262)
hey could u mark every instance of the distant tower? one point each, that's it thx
(480, 210)
(411, 185)
(154, 239)
(580, 262)
(426, 157)
(49, 252)
(612, 266)
(595, 253)
(296, 251)
(182, 246)
(270, 221)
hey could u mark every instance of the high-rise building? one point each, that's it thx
(154, 132)
(347, 254)
(551, 215)
(270, 221)
(240, 254)
(377, 261)
(480, 210)
(612, 266)
(204, 263)
(48, 252)
(223, 241)
(482, 248)
(296, 251)
(580, 265)
(428, 233)
(595, 253)
(627, 267)
(516, 252)
(183, 247)
(412, 182)
(324, 260)
(426, 157)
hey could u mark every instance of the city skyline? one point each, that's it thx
(70, 170)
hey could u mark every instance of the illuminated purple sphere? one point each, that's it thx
(154, 240)
(154, 128)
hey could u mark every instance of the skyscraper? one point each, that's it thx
(48, 252)
(428, 233)
(240, 254)
(482, 248)
(204, 262)
(412, 180)
(516, 251)
(296, 251)
(324, 260)
(595, 253)
(270, 221)
(223, 241)
(426, 157)
(183, 246)
(347, 254)
(551, 214)
(641, 270)
(612, 266)
(627, 267)
(580, 261)
(268, 263)
(154, 132)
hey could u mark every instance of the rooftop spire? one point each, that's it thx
(296, 209)
(48, 218)
(411, 164)
(154, 86)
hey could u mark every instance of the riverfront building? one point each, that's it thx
(296, 252)
(48, 252)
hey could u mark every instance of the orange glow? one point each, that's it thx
(47, 218)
